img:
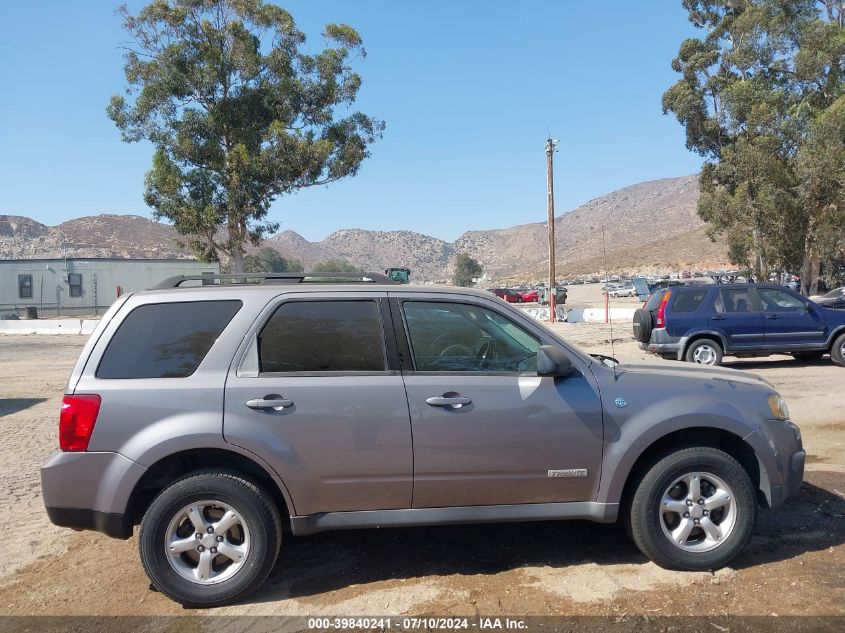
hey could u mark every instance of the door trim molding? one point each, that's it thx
(324, 521)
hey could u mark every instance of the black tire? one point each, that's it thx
(837, 351)
(643, 325)
(645, 518)
(254, 505)
(704, 348)
(807, 355)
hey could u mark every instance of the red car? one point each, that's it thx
(531, 295)
(508, 294)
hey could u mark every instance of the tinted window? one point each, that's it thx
(461, 337)
(688, 300)
(779, 301)
(165, 340)
(735, 300)
(654, 300)
(25, 286)
(74, 282)
(323, 336)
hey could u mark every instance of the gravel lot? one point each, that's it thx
(795, 564)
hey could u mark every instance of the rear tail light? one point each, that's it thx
(76, 422)
(661, 309)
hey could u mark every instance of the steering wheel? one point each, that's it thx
(456, 349)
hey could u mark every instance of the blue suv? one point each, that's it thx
(701, 324)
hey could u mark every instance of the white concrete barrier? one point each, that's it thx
(541, 313)
(596, 315)
(49, 326)
(89, 325)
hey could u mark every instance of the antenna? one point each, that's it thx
(607, 293)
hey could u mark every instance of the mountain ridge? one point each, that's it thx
(658, 215)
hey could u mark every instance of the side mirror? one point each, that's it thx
(553, 361)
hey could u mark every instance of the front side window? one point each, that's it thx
(321, 336)
(74, 282)
(165, 340)
(464, 337)
(25, 286)
(779, 301)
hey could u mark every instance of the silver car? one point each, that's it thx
(218, 416)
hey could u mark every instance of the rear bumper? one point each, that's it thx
(90, 491)
(664, 344)
(112, 524)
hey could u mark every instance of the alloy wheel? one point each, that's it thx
(697, 512)
(207, 542)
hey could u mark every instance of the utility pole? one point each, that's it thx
(551, 147)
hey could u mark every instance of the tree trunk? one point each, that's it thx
(237, 259)
(810, 266)
(236, 243)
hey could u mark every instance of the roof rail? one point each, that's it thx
(278, 278)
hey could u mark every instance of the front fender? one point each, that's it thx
(626, 439)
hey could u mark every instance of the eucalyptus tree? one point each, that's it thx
(238, 114)
(750, 92)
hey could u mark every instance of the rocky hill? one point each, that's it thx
(650, 225)
(92, 236)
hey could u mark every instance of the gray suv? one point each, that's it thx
(221, 415)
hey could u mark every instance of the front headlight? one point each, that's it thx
(777, 405)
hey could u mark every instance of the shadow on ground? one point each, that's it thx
(775, 362)
(813, 520)
(8, 406)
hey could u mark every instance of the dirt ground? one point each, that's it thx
(794, 565)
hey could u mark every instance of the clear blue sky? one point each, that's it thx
(468, 89)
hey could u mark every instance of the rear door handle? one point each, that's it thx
(772, 316)
(442, 401)
(269, 402)
(717, 318)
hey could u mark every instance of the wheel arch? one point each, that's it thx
(709, 334)
(839, 331)
(174, 466)
(631, 468)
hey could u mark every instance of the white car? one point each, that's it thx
(624, 291)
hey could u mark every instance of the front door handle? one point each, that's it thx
(272, 401)
(444, 401)
(772, 316)
(717, 318)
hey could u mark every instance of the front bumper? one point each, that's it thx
(792, 481)
(90, 491)
(781, 456)
(665, 345)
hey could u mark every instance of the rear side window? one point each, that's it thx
(318, 336)
(165, 340)
(688, 300)
(734, 300)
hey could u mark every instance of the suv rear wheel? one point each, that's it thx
(693, 510)
(210, 538)
(704, 351)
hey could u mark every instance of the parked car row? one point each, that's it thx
(530, 295)
(703, 324)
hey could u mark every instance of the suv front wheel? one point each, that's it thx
(210, 538)
(837, 352)
(693, 510)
